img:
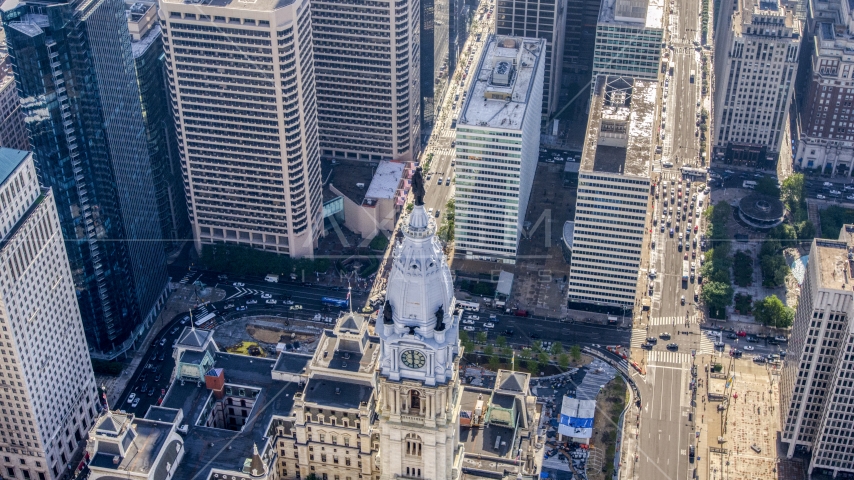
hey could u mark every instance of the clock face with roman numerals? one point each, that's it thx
(413, 358)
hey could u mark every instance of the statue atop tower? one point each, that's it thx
(420, 338)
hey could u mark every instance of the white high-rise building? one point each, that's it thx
(241, 76)
(498, 141)
(756, 65)
(816, 387)
(629, 34)
(368, 65)
(613, 202)
(49, 398)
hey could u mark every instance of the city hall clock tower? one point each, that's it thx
(419, 386)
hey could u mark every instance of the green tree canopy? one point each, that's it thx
(575, 352)
(768, 186)
(774, 313)
(717, 295)
(742, 269)
(481, 337)
(557, 348)
(774, 270)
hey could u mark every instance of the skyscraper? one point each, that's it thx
(544, 19)
(613, 193)
(367, 62)
(825, 138)
(148, 57)
(74, 68)
(51, 395)
(815, 385)
(629, 35)
(498, 138)
(437, 50)
(247, 122)
(13, 132)
(755, 71)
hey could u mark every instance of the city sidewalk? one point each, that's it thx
(747, 418)
(181, 300)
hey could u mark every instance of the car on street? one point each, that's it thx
(651, 340)
(748, 348)
(672, 346)
(272, 302)
(241, 308)
(238, 284)
(509, 332)
(719, 345)
(135, 402)
(163, 341)
(646, 346)
(756, 448)
(230, 305)
(266, 295)
(131, 397)
(731, 336)
(652, 273)
(664, 336)
(157, 377)
(827, 184)
(174, 331)
(820, 197)
(683, 299)
(780, 338)
(468, 328)
(534, 336)
(835, 192)
(251, 302)
(752, 339)
(489, 325)
(741, 333)
(850, 197)
(468, 322)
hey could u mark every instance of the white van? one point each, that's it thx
(272, 278)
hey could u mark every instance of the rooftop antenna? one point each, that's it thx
(350, 297)
(192, 324)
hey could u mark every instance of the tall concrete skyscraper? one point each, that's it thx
(148, 57)
(816, 386)
(825, 127)
(498, 138)
(544, 19)
(247, 121)
(74, 67)
(50, 397)
(438, 49)
(13, 132)
(367, 62)
(629, 35)
(613, 204)
(755, 68)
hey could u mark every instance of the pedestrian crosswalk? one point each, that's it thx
(638, 337)
(672, 321)
(667, 356)
(707, 346)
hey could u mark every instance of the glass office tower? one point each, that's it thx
(75, 72)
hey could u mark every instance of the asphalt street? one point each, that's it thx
(665, 432)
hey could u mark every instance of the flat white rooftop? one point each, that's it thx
(637, 13)
(500, 92)
(386, 180)
(620, 128)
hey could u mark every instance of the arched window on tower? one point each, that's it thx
(414, 401)
(413, 445)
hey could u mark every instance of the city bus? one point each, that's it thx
(335, 302)
(470, 306)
